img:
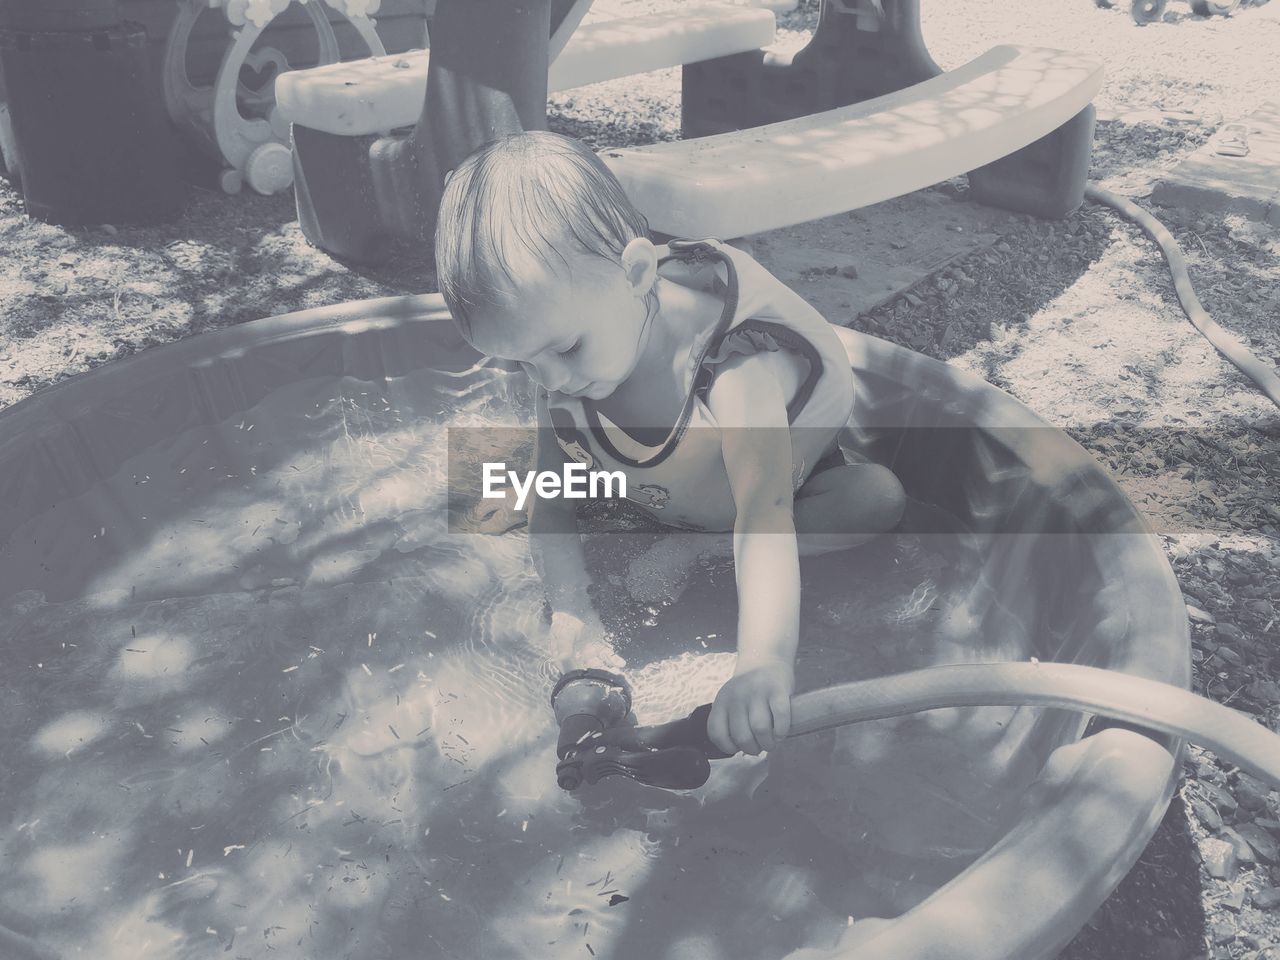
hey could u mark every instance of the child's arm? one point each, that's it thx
(753, 710)
(558, 557)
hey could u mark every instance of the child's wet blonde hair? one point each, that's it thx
(524, 203)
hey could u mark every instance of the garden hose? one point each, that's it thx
(1149, 704)
(1224, 342)
(675, 754)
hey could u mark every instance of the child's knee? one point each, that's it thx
(859, 498)
(873, 496)
(885, 490)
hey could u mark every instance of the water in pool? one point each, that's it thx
(259, 701)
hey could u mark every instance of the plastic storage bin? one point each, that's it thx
(87, 121)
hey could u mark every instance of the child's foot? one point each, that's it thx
(597, 654)
(577, 645)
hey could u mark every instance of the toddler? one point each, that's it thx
(716, 389)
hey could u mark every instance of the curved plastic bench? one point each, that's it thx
(748, 181)
(380, 94)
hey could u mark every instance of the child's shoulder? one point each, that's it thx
(705, 264)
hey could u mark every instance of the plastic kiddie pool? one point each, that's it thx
(258, 695)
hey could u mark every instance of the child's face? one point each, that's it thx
(579, 336)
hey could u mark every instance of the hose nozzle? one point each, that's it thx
(586, 702)
(592, 707)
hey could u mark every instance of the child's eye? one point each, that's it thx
(572, 350)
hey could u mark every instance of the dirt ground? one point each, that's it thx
(1077, 318)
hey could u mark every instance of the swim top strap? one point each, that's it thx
(686, 251)
(784, 337)
(702, 251)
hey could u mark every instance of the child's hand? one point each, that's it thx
(576, 643)
(752, 712)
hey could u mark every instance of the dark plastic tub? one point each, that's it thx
(142, 490)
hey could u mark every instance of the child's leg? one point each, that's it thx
(838, 508)
(846, 505)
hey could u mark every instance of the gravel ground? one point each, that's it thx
(1076, 318)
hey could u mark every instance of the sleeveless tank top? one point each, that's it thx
(683, 482)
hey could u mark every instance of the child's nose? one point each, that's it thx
(550, 376)
(535, 372)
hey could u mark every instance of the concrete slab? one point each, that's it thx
(851, 263)
(1248, 185)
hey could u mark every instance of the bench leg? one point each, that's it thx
(855, 54)
(858, 53)
(487, 77)
(1045, 178)
(721, 95)
(333, 186)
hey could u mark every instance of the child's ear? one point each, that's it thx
(640, 265)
